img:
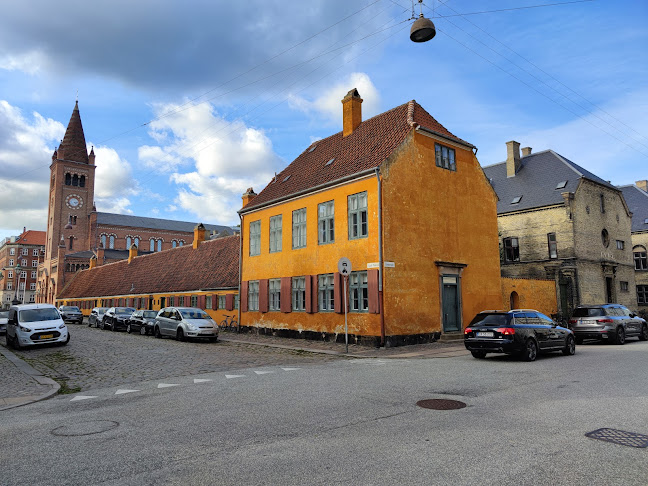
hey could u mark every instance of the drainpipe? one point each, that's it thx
(240, 268)
(380, 260)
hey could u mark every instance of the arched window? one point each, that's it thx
(75, 180)
(111, 242)
(68, 179)
(67, 267)
(71, 242)
(137, 241)
(151, 244)
(128, 242)
(515, 300)
(82, 181)
(174, 243)
(159, 245)
(74, 219)
(103, 241)
(180, 243)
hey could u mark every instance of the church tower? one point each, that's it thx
(71, 198)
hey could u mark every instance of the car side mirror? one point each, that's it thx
(632, 314)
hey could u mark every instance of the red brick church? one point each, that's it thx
(76, 231)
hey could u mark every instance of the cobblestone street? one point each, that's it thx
(96, 358)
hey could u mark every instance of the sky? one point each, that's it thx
(188, 104)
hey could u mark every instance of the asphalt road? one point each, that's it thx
(346, 422)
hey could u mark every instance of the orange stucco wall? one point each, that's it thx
(531, 294)
(431, 215)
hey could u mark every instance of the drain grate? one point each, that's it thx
(441, 404)
(621, 437)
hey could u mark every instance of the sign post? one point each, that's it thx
(344, 267)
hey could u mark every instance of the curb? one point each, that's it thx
(32, 373)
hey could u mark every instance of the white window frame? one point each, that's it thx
(275, 233)
(274, 291)
(326, 223)
(253, 295)
(326, 293)
(299, 294)
(299, 228)
(255, 238)
(358, 292)
(358, 214)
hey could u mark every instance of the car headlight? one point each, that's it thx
(62, 326)
(191, 327)
(24, 329)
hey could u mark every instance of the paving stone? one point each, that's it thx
(16, 384)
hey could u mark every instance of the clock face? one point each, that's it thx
(74, 201)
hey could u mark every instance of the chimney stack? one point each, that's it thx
(526, 151)
(132, 252)
(351, 112)
(199, 235)
(100, 255)
(512, 158)
(248, 196)
(93, 261)
(643, 185)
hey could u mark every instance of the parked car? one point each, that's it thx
(96, 316)
(520, 331)
(34, 324)
(185, 322)
(115, 318)
(71, 313)
(142, 321)
(4, 317)
(613, 323)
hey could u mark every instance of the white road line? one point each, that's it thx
(234, 376)
(121, 392)
(263, 372)
(290, 369)
(82, 397)
(201, 380)
(167, 385)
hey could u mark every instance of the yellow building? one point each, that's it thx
(403, 199)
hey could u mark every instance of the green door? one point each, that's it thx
(451, 322)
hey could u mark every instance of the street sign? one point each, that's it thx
(344, 266)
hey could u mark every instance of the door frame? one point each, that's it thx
(451, 269)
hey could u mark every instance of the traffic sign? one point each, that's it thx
(344, 266)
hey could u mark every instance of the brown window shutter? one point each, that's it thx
(229, 300)
(309, 294)
(372, 288)
(263, 295)
(214, 302)
(201, 301)
(286, 295)
(315, 293)
(244, 296)
(338, 304)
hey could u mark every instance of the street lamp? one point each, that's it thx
(422, 29)
(15, 300)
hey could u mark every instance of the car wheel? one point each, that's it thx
(643, 336)
(579, 340)
(89, 323)
(143, 331)
(620, 336)
(478, 354)
(66, 341)
(180, 334)
(15, 343)
(530, 352)
(570, 346)
(102, 327)
(113, 327)
(128, 329)
(157, 332)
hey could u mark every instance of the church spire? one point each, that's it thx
(73, 146)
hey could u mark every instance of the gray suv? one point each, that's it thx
(607, 322)
(185, 322)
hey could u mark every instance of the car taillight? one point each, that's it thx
(573, 321)
(506, 331)
(604, 320)
(468, 330)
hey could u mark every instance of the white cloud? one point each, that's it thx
(329, 103)
(29, 62)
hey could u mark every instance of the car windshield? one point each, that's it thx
(150, 313)
(35, 315)
(589, 312)
(4, 314)
(491, 320)
(101, 310)
(124, 310)
(70, 308)
(193, 314)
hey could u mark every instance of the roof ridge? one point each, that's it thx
(568, 163)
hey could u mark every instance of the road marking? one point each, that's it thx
(121, 392)
(82, 397)
(263, 372)
(234, 376)
(290, 369)
(167, 385)
(201, 380)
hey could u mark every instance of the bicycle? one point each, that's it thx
(229, 324)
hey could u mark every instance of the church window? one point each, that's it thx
(68, 179)
(111, 242)
(159, 245)
(82, 181)
(181, 242)
(75, 180)
(103, 241)
(174, 243)
(71, 242)
(128, 242)
(137, 242)
(151, 244)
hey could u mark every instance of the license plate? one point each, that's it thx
(487, 334)
(47, 336)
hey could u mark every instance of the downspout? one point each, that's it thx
(240, 268)
(380, 261)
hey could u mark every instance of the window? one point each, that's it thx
(32, 286)
(25, 251)
(602, 202)
(299, 293)
(137, 241)
(171, 301)
(325, 222)
(174, 243)
(23, 274)
(33, 274)
(71, 242)
(358, 215)
(181, 300)
(605, 238)
(181, 242)
(640, 258)
(642, 294)
(208, 302)
(68, 179)
(12, 251)
(299, 228)
(511, 250)
(561, 185)
(620, 244)
(358, 292)
(103, 241)
(21, 286)
(75, 180)
(34, 263)
(9, 285)
(193, 301)
(255, 240)
(159, 245)
(129, 242)
(275, 294)
(11, 262)
(253, 296)
(236, 301)
(23, 262)
(151, 244)
(553, 246)
(111, 242)
(35, 252)
(275, 233)
(445, 157)
(82, 181)
(624, 286)
(221, 302)
(516, 200)
(326, 293)
(10, 274)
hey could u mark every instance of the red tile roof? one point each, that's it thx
(31, 237)
(214, 264)
(366, 148)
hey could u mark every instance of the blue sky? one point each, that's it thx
(190, 103)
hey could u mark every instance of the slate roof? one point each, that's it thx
(366, 148)
(213, 265)
(109, 254)
(32, 237)
(111, 219)
(73, 143)
(536, 181)
(637, 201)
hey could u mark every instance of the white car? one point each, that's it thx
(4, 317)
(33, 324)
(185, 322)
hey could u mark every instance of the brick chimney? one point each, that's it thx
(199, 235)
(512, 158)
(643, 185)
(351, 112)
(100, 255)
(132, 252)
(248, 196)
(526, 151)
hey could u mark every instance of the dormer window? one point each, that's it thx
(516, 200)
(286, 178)
(330, 161)
(312, 148)
(561, 185)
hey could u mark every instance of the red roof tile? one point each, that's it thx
(31, 237)
(366, 148)
(214, 264)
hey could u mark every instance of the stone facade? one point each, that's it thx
(637, 199)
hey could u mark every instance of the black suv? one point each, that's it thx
(71, 313)
(520, 331)
(607, 322)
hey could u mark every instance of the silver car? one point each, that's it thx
(608, 322)
(4, 317)
(185, 322)
(96, 316)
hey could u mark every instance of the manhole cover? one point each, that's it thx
(441, 404)
(85, 428)
(621, 437)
